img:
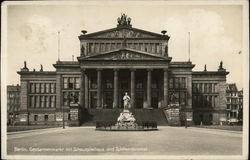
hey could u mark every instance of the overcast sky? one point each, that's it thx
(216, 32)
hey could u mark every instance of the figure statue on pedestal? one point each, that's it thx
(126, 100)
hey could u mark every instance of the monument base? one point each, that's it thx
(126, 122)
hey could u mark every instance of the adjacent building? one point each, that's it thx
(234, 103)
(13, 103)
(112, 62)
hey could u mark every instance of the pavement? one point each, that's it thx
(87, 141)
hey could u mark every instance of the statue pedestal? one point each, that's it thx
(172, 113)
(126, 120)
(74, 115)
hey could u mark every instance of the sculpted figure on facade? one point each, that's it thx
(126, 100)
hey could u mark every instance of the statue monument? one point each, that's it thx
(126, 120)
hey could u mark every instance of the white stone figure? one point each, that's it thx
(126, 100)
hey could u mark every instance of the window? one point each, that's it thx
(176, 83)
(109, 84)
(32, 101)
(42, 87)
(200, 88)
(47, 87)
(42, 101)
(210, 88)
(47, 101)
(46, 117)
(32, 87)
(183, 82)
(71, 83)
(171, 82)
(210, 101)
(155, 83)
(205, 88)
(69, 118)
(182, 98)
(52, 104)
(37, 87)
(77, 84)
(65, 98)
(52, 88)
(37, 101)
(35, 117)
(124, 84)
(65, 83)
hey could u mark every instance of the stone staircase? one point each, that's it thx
(90, 116)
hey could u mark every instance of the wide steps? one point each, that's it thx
(91, 116)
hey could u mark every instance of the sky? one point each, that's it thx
(215, 33)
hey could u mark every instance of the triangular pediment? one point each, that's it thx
(125, 54)
(124, 32)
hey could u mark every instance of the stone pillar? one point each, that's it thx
(132, 88)
(58, 90)
(115, 102)
(82, 88)
(149, 87)
(99, 85)
(165, 87)
(86, 80)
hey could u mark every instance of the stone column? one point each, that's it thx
(132, 88)
(149, 87)
(99, 85)
(82, 87)
(165, 87)
(86, 90)
(115, 102)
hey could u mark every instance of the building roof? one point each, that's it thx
(231, 87)
(13, 88)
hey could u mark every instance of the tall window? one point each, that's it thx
(65, 82)
(171, 83)
(47, 101)
(52, 88)
(108, 84)
(42, 87)
(32, 101)
(37, 87)
(183, 82)
(47, 87)
(65, 98)
(52, 101)
(42, 101)
(32, 87)
(71, 83)
(205, 88)
(37, 101)
(210, 88)
(77, 84)
(176, 83)
(183, 98)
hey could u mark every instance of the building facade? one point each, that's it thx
(13, 103)
(112, 62)
(234, 103)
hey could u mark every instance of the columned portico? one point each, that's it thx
(82, 87)
(132, 71)
(115, 102)
(99, 85)
(165, 87)
(149, 78)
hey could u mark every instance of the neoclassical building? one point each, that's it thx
(112, 62)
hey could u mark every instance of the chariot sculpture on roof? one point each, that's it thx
(124, 20)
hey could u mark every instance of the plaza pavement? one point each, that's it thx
(87, 141)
